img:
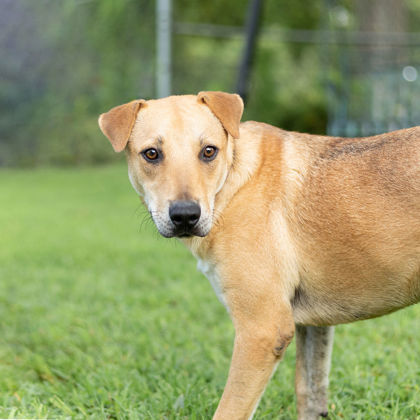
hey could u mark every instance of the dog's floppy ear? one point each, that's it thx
(118, 123)
(227, 107)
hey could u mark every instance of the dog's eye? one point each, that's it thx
(209, 153)
(150, 154)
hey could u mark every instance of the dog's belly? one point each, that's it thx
(315, 304)
(322, 312)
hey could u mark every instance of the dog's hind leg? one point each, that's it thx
(313, 360)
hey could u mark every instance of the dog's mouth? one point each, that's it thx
(183, 233)
(188, 233)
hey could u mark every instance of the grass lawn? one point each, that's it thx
(102, 318)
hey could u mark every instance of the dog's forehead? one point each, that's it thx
(183, 115)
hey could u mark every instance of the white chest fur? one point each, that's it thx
(209, 270)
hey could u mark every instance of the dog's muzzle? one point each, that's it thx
(184, 216)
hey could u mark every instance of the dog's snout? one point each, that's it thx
(184, 214)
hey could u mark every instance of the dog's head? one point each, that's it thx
(179, 151)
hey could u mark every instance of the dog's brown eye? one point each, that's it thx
(150, 154)
(209, 153)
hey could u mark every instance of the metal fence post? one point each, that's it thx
(163, 47)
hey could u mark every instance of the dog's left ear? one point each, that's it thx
(118, 123)
(227, 107)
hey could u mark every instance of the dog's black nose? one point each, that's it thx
(184, 214)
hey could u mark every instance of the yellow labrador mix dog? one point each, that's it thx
(296, 232)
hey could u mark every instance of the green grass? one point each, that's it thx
(102, 318)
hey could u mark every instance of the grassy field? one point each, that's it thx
(102, 318)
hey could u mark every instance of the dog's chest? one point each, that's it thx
(209, 270)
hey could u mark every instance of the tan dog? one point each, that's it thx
(296, 232)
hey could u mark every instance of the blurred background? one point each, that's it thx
(99, 316)
(340, 67)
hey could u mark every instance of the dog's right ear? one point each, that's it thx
(118, 123)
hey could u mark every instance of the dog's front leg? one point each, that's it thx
(313, 359)
(260, 341)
